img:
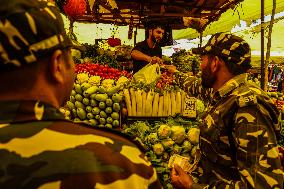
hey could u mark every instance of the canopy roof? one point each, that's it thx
(198, 13)
(248, 10)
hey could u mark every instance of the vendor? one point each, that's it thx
(148, 50)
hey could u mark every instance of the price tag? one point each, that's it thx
(189, 109)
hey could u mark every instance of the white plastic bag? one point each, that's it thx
(148, 74)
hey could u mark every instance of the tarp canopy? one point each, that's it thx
(248, 10)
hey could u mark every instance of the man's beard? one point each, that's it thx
(155, 40)
(207, 77)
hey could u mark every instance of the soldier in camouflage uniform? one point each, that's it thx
(238, 131)
(38, 147)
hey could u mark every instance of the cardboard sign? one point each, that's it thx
(189, 108)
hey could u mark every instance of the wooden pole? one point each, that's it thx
(262, 81)
(269, 46)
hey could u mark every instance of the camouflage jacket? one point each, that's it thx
(237, 136)
(39, 149)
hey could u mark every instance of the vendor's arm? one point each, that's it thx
(137, 55)
(190, 84)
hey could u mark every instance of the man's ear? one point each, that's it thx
(215, 64)
(57, 66)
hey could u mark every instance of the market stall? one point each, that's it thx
(150, 108)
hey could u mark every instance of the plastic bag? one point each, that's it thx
(148, 74)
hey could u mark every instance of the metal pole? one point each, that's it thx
(135, 35)
(200, 38)
(262, 46)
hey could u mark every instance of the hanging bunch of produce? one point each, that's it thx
(185, 61)
(72, 8)
(123, 52)
(165, 139)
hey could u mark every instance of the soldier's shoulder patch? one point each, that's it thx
(246, 99)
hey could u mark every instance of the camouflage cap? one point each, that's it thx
(28, 30)
(229, 47)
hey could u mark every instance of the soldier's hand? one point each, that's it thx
(171, 68)
(180, 179)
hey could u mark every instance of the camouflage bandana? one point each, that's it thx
(28, 30)
(229, 47)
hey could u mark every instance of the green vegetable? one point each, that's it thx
(176, 149)
(90, 115)
(116, 107)
(102, 105)
(79, 105)
(168, 143)
(78, 88)
(186, 146)
(152, 138)
(96, 110)
(86, 101)
(115, 123)
(78, 97)
(90, 91)
(70, 105)
(109, 102)
(193, 135)
(116, 97)
(103, 114)
(77, 120)
(101, 89)
(108, 125)
(92, 96)
(74, 112)
(73, 93)
(115, 116)
(101, 97)
(158, 149)
(89, 108)
(108, 110)
(93, 103)
(93, 122)
(199, 107)
(193, 151)
(72, 99)
(109, 120)
(113, 90)
(164, 131)
(97, 117)
(102, 120)
(178, 134)
(85, 86)
(81, 113)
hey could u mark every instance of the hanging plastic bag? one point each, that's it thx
(148, 74)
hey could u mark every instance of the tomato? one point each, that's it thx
(158, 85)
(105, 70)
(101, 67)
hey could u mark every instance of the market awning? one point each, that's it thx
(195, 13)
(248, 10)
